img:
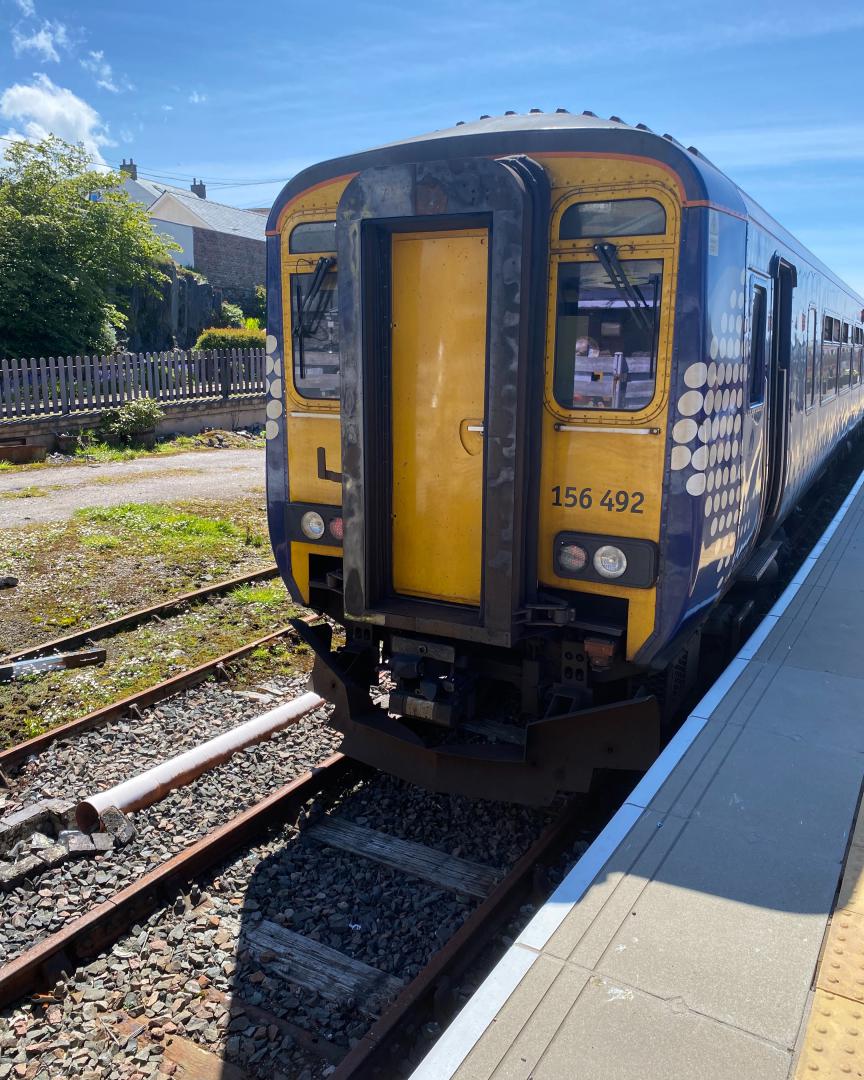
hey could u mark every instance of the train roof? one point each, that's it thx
(536, 132)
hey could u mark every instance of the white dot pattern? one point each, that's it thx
(273, 372)
(706, 433)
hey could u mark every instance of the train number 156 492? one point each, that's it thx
(619, 501)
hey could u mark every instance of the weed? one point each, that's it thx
(33, 491)
(101, 541)
(32, 726)
(263, 595)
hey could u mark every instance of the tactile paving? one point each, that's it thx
(834, 1043)
(842, 967)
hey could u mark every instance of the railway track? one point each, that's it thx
(13, 756)
(101, 631)
(408, 892)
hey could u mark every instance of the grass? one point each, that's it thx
(165, 530)
(32, 491)
(108, 560)
(156, 651)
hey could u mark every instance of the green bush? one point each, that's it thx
(252, 324)
(231, 315)
(260, 306)
(218, 338)
(133, 418)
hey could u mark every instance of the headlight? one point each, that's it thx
(312, 525)
(610, 561)
(572, 558)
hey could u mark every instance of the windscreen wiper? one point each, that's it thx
(304, 305)
(607, 255)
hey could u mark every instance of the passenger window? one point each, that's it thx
(312, 237)
(810, 373)
(845, 373)
(618, 217)
(315, 333)
(856, 354)
(606, 334)
(830, 358)
(758, 327)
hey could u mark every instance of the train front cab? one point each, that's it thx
(505, 335)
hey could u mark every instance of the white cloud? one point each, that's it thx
(41, 108)
(102, 71)
(196, 98)
(27, 7)
(167, 108)
(46, 42)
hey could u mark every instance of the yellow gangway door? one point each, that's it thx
(438, 407)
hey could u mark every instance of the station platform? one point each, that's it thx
(715, 928)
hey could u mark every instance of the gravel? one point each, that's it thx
(99, 759)
(188, 971)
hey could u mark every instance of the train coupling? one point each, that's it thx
(558, 753)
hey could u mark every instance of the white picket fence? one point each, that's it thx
(59, 385)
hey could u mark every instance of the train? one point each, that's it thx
(542, 388)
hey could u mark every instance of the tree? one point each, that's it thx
(72, 244)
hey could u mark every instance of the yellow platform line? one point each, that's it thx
(833, 1045)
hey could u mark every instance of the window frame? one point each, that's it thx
(611, 236)
(292, 275)
(831, 340)
(845, 356)
(553, 304)
(762, 285)
(811, 368)
(292, 264)
(664, 247)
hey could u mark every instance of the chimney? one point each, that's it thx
(197, 188)
(130, 168)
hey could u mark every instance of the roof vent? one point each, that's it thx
(587, 112)
(485, 116)
(643, 127)
(693, 150)
(616, 119)
(510, 112)
(460, 123)
(562, 110)
(536, 110)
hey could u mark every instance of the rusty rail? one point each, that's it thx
(136, 618)
(12, 757)
(94, 931)
(383, 1048)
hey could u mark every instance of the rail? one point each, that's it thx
(64, 385)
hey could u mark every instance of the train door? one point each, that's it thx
(778, 390)
(438, 386)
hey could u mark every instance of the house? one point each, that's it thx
(225, 244)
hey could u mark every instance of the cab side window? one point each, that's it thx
(758, 329)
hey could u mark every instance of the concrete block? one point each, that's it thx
(116, 823)
(78, 843)
(53, 855)
(12, 874)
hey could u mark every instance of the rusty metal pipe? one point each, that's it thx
(150, 786)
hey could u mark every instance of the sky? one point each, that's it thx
(244, 95)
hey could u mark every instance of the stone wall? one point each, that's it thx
(174, 315)
(234, 264)
(31, 440)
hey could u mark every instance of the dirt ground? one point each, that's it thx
(55, 494)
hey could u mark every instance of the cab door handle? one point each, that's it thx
(471, 432)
